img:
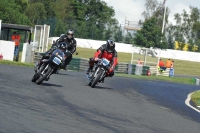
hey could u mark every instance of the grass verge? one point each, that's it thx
(161, 78)
(196, 98)
(16, 63)
(180, 66)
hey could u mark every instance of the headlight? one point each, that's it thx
(60, 57)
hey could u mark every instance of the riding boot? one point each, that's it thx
(89, 69)
(102, 81)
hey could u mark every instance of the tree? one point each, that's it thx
(98, 15)
(62, 9)
(196, 29)
(35, 12)
(48, 6)
(186, 29)
(150, 35)
(118, 34)
(151, 6)
(195, 20)
(129, 38)
(10, 12)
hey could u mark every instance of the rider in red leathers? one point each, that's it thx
(105, 51)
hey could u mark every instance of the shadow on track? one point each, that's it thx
(64, 74)
(100, 87)
(49, 84)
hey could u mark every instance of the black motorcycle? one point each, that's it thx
(99, 72)
(48, 66)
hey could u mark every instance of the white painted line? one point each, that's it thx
(187, 102)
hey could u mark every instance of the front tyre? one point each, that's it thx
(96, 78)
(43, 77)
(37, 74)
(35, 77)
(90, 83)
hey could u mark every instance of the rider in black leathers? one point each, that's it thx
(71, 42)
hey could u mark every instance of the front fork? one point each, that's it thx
(102, 76)
(45, 69)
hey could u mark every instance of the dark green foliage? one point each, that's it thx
(94, 19)
(12, 12)
(150, 35)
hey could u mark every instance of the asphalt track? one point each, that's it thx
(65, 104)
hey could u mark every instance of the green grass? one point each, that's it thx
(180, 66)
(161, 78)
(196, 98)
(16, 63)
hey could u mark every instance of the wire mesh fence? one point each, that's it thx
(123, 32)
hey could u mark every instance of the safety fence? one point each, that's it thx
(81, 64)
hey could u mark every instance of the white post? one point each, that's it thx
(34, 34)
(158, 62)
(0, 27)
(197, 81)
(164, 21)
(132, 56)
(43, 37)
(47, 41)
(145, 57)
(161, 38)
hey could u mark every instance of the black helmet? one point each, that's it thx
(110, 45)
(62, 46)
(70, 34)
(61, 35)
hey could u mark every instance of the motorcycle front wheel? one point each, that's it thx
(96, 78)
(43, 77)
(37, 75)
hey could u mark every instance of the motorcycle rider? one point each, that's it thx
(62, 46)
(69, 39)
(105, 51)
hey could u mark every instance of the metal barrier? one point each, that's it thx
(81, 64)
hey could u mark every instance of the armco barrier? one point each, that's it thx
(164, 73)
(140, 69)
(81, 64)
(121, 68)
(156, 71)
(74, 64)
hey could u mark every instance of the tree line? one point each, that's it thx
(89, 18)
(94, 19)
(183, 35)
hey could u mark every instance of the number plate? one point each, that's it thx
(105, 62)
(57, 61)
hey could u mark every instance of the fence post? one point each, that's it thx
(129, 68)
(0, 27)
(197, 81)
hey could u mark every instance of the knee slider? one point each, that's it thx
(111, 74)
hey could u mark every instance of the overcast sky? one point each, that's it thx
(132, 9)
